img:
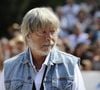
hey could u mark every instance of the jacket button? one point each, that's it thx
(29, 77)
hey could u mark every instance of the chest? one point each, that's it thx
(57, 77)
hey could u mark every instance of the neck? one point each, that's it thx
(38, 60)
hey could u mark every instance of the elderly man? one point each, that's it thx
(41, 66)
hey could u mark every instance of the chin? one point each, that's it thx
(43, 53)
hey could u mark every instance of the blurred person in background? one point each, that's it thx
(2, 87)
(67, 14)
(42, 66)
(96, 35)
(78, 37)
(87, 65)
(94, 29)
(83, 19)
(5, 47)
(89, 5)
(13, 30)
(18, 44)
(82, 51)
(96, 58)
(63, 45)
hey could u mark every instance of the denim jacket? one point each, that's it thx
(19, 74)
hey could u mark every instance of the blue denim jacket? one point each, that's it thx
(19, 74)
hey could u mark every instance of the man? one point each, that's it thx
(41, 66)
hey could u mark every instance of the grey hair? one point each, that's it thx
(39, 18)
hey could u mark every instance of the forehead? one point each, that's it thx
(47, 29)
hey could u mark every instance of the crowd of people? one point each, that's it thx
(80, 31)
(79, 34)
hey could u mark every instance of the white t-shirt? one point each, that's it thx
(2, 86)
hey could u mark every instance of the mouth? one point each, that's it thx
(48, 45)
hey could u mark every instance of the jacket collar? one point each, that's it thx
(26, 57)
(54, 57)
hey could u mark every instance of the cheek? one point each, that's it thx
(37, 43)
(55, 39)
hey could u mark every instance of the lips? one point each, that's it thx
(48, 45)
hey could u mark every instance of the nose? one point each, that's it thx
(49, 35)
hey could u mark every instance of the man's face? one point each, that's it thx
(42, 40)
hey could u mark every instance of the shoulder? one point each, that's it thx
(14, 59)
(66, 57)
(11, 63)
(65, 62)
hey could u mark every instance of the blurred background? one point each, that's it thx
(79, 31)
(12, 11)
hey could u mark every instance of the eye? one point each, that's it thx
(43, 32)
(40, 33)
(52, 32)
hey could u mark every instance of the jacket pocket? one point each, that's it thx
(62, 83)
(7, 85)
(14, 85)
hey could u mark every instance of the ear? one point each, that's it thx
(28, 37)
